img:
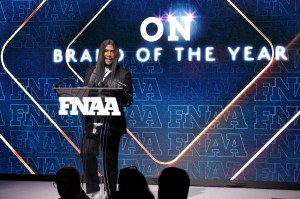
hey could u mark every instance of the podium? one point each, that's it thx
(97, 131)
(86, 92)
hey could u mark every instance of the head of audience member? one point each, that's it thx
(133, 184)
(173, 183)
(67, 180)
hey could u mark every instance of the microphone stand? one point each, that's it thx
(67, 78)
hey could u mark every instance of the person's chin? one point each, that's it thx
(108, 61)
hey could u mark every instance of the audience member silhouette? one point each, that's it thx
(132, 185)
(67, 181)
(173, 183)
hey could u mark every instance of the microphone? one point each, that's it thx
(59, 83)
(125, 89)
(120, 83)
(67, 78)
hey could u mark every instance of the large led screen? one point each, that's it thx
(216, 84)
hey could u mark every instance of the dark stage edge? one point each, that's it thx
(10, 189)
(196, 183)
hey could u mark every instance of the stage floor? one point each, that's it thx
(44, 189)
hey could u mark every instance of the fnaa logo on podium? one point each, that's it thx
(89, 106)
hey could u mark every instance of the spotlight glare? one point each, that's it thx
(170, 17)
(190, 17)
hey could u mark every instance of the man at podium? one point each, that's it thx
(105, 131)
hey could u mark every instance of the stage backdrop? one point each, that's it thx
(189, 60)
